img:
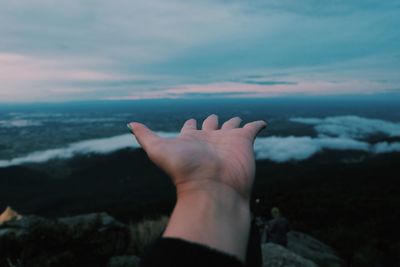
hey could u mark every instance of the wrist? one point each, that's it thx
(229, 206)
(211, 214)
(212, 189)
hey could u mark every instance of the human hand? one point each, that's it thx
(213, 171)
(200, 160)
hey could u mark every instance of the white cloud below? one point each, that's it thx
(351, 126)
(281, 149)
(18, 123)
(277, 149)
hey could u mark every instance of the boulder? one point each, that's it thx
(98, 231)
(103, 220)
(86, 239)
(20, 228)
(313, 249)
(277, 256)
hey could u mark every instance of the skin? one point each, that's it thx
(213, 172)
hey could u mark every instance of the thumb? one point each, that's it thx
(145, 137)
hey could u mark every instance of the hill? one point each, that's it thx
(350, 204)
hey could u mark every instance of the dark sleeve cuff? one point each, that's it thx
(175, 252)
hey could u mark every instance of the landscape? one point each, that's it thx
(331, 165)
(77, 189)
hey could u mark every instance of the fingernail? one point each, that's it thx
(264, 126)
(129, 127)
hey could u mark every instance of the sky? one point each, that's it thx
(68, 50)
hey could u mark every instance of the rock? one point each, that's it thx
(89, 240)
(20, 228)
(102, 219)
(313, 249)
(9, 215)
(277, 256)
(99, 231)
(124, 261)
(26, 222)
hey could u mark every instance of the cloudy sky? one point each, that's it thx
(128, 49)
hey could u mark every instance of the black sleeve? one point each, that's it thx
(175, 252)
(254, 253)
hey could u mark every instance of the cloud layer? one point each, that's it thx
(343, 130)
(277, 149)
(98, 146)
(18, 123)
(351, 126)
(281, 149)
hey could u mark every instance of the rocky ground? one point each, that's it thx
(98, 239)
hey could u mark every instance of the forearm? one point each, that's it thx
(215, 216)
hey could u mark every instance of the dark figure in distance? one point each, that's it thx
(277, 228)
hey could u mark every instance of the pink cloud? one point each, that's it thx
(302, 87)
(261, 90)
(141, 95)
(21, 68)
(29, 78)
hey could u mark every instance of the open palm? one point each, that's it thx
(213, 155)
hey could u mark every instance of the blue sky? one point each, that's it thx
(127, 49)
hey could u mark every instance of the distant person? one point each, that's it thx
(277, 228)
(213, 172)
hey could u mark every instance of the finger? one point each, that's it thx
(145, 137)
(232, 123)
(253, 128)
(211, 123)
(189, 125)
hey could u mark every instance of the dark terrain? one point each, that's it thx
(352, 206)
(348, 199)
